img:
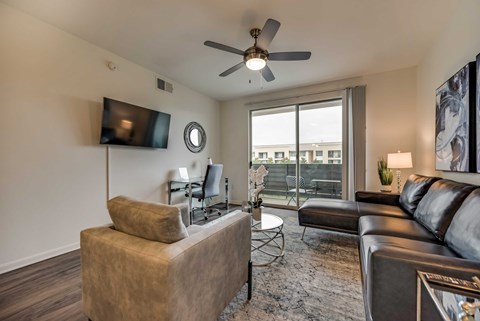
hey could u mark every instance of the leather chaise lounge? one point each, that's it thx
(432, 226)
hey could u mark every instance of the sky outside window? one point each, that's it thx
(320, 125)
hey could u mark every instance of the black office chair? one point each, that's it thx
(210, 188)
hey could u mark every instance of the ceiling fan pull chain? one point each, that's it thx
(261, 78)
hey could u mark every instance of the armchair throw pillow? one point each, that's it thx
(148, 220)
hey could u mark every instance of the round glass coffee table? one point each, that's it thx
(268, 239)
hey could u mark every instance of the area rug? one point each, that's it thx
(317, 279)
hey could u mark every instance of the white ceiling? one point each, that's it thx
(347, 38)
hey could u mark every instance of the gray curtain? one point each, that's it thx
(355, 99)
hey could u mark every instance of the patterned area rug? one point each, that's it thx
(317, 279)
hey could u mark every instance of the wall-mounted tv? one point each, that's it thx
(129, 125)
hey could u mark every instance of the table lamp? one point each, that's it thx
(397, 161)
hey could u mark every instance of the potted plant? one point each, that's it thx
(385, 174)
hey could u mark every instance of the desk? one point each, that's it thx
(183, 185)
(332, 182)
(186, 186)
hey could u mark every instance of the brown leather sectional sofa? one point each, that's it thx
(432, 226)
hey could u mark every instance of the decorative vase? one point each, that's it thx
(257, 213)
(246, 207)
(386, 188)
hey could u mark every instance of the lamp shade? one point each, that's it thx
(399, 160)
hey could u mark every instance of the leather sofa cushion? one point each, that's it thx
(340, 215)
(148, 220)
(381, 210)
(394, 226)
(184, 212)
(192, 229)
(367, 241)
(414, 189)
(377, 197)
(463, 235)
(437, 208)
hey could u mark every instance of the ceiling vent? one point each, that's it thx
(164, 85)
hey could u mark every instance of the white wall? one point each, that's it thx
(390, 104)
(458, 44)
(52, 170)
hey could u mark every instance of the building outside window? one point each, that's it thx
(334, 154)
(303, 156)
(279, 155)
(334, 161)
(292, 155)
(262, 155)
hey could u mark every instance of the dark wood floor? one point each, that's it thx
(49, 290)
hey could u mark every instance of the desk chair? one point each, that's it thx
(210, 188)
(292, 188)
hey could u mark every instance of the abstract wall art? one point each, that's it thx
(455, 122)
(477, 112)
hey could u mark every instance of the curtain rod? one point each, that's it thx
(253, 103)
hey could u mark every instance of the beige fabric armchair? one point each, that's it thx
(129, 278)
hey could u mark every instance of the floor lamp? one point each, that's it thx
(397, 161)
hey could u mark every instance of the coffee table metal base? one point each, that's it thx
(268, 238)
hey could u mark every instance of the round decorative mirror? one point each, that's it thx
(195, 137)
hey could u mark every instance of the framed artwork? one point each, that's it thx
(455, 134)
(477, 110)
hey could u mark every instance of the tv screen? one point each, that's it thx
(130, 125)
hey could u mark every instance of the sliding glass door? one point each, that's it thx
(273, 144)
(302, 148)
(321, 148)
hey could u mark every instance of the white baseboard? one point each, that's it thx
(9, 266)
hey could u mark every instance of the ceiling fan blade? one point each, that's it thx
(291, 55)
(268, 32)
(219, 46)
(233, 69)
(267, 74)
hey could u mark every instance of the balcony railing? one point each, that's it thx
(321, 181)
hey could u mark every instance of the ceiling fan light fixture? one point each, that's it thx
(255, 63)
(255, 58)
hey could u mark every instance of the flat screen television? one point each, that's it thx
(129, 125)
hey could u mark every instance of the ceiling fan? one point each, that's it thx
(256, 57)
